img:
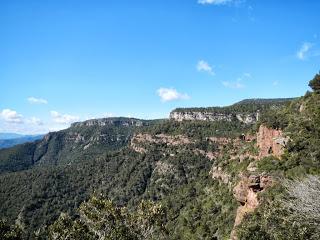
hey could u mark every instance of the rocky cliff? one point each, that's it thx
(111, 121)
(246, 111)
(139, 140)
(247, 118)
(271, 142)
(246, 193)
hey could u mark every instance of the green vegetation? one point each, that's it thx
(301, 123)
(199, 129)
(8, 232)
(87, 182)
(75, 144)
(289, 211)
(100, 218)
(244, 106)
(315, 83)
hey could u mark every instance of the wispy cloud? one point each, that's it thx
(171, 94)
(302, 53)
(35, 121)
(234, 85)
(238, 83)
(11, 116)
(214, 2)
(34, 100)
(246, 75)
(63, 118)
(203, 66)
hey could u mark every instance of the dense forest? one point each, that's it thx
(244, 106)
(165, 179)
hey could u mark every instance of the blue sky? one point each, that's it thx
(63, 61)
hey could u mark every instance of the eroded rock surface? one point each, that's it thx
(110, 121)
(271, 142)
(246, 193)
(247, 118)
(169, 140)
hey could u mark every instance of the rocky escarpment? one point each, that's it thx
(247, 118)
(111, 121)
(246, 192)
(139, 140)
(246, 111)
(271, 142)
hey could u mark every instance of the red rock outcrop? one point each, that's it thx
(246, 193)
(270, 142)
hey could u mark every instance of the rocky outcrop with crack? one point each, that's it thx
(246, 193)
(140, 139)
(271, 142)
(247, 118)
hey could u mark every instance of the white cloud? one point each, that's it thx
(170, 94)
(247, 75)
(203, 66)
(37, 100)
(108, 115)
(303, 51)
(12, 121)
(63, 118)
(11, 116)
(35, 121)
(234, 85)
(214, 2)
(238, 83)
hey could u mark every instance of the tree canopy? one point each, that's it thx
(315, 83)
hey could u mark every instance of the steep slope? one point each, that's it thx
(166, 172)
(296, 156)
(212, 178)
(82, 141)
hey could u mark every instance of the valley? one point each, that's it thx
(209, 175)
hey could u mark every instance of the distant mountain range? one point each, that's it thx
(10, 135)
(11, 139)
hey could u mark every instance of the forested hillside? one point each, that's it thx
(166, 179)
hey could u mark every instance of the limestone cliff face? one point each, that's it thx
(247, 118)
(169, 140)
(270, 142)
(110, 121)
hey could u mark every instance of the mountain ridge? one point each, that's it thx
(209, 176)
